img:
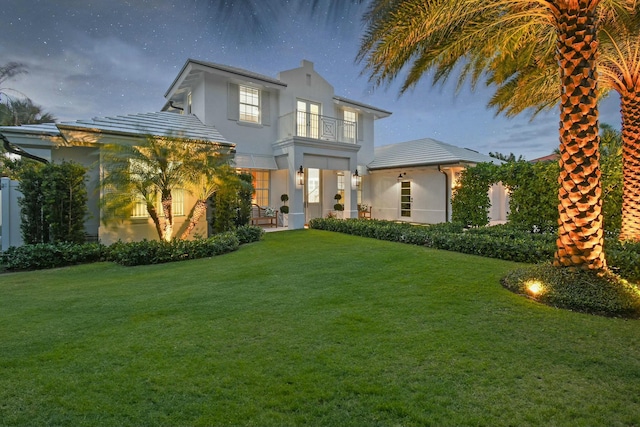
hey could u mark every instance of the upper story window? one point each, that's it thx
(349, 125)
(249, 104)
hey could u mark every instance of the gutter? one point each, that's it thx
(446, 194)
(19, 151)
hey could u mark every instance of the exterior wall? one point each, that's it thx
(248, 137)
(10, 234)
(499, 197)
(428, 190)
(136, 229)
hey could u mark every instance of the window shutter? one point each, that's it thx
(233, 102)
(360, 125)
(265, 106)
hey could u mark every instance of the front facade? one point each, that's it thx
(292, 133)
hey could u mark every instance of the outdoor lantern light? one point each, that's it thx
(401, 175)
(300, 177)
(356, 179)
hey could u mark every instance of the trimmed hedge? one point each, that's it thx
(44, 255)
(158, 252)
(506, 242)
(50, 255)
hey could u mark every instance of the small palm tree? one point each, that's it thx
(157, 166)
(215, 169)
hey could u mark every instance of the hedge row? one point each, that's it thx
(502, 241)
(42, 255)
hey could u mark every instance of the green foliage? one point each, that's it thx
(624, 258)
(249, 233)
(16, 112)
(65, 198)
(33, 225)
(508, 242)
(54, 202)
(159, 251)
(578, 290)
(470, 202)
(533, 192)
(612, 177)
(231, 204)
(50, 255)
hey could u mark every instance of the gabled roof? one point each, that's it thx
(194, 67)
(186, 126)
(377, 112)
(424, 152)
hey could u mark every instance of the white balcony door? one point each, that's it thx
(308, 119)
(313, 194)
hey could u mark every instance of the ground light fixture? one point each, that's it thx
(534, 288)
(300, 177)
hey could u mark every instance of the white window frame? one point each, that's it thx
(249, 104)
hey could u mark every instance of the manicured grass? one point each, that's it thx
(307, 327)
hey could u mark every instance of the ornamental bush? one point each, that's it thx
(579, 290)
(51, 255)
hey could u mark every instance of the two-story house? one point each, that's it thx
(292, 133)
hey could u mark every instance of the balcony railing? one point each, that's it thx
(315, 126)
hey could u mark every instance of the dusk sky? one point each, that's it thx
(94, 58)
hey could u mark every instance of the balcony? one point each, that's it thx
(315, 126)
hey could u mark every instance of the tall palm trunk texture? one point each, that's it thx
(630, 108)
(580, 233)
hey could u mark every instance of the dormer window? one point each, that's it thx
(249, 104)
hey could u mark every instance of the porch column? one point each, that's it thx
(296, 202)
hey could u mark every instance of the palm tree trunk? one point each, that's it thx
(153, 213)
(580, 233)
(630, 108)
(198, 211)
(167, 204)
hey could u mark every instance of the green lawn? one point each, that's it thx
(306, 327)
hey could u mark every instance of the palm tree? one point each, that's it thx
(141, 173)
(8, 71)
(532, 86)
(214, 172)
(17, 112)
(470, 36)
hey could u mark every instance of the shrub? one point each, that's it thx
(157, 252)
(249, 233)
(578, 290)
(509, 242)
(50, 255)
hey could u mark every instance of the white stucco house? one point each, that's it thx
(293, 133)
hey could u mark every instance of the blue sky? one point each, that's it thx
(92, 58)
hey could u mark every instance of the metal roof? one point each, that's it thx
(424, 152)
(185, 126)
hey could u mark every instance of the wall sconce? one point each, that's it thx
(356, 179)
(401, 175)
(300, 177)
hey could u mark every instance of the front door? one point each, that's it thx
(406, 200)
(313, 194)
(308, 119)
